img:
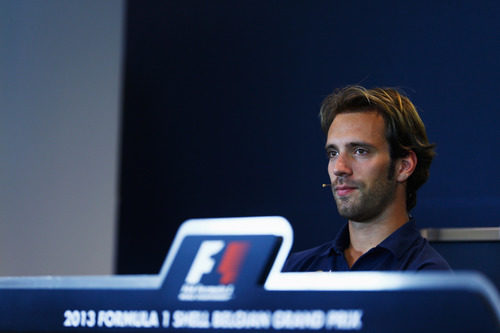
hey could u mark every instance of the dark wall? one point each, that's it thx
(221, 101)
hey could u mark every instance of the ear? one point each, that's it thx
(405, 166)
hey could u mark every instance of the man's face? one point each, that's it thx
(359, 165)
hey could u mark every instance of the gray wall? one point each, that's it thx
(60, 73)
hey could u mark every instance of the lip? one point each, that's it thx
(344, 190)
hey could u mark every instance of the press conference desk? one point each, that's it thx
(224, 275)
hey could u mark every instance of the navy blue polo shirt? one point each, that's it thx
(404, 249)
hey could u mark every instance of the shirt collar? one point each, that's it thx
(398, 242)
(341, 241)
(401, 239)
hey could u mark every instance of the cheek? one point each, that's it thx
(376, 172)
(330, 169)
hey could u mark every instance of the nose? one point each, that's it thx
(340, 166)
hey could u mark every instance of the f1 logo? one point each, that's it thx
(229, 266)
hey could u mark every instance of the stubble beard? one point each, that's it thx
(363, 205)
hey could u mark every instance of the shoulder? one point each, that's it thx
(308, 260)
(427, 258)
(414, 252)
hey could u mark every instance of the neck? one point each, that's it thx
(368, 234)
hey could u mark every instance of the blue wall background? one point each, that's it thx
(221, 102)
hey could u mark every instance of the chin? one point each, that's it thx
(355, 215)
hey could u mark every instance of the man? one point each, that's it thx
(379, 155)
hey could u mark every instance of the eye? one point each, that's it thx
(330, 154)
(360, 151)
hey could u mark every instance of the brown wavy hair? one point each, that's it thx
(404, 129)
